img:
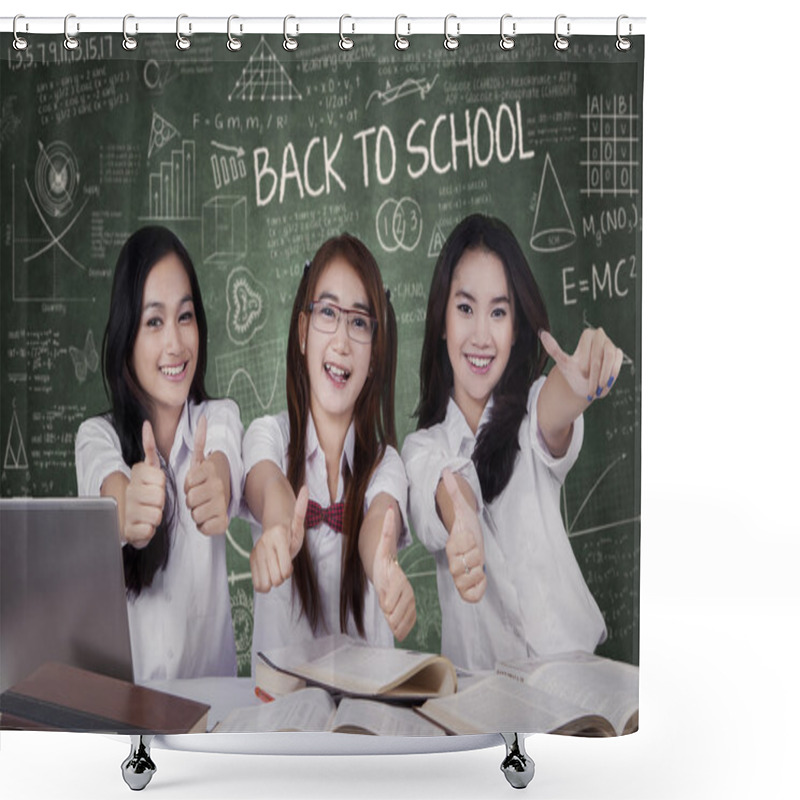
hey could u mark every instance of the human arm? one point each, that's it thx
(140, 497)
(380, 531)
(574, 383)
(270, 498)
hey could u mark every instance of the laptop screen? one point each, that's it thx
(62, 590)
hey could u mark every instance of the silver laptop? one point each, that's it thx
(62, 588)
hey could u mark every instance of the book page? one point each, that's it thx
(363, 670)
(609, 688)
(382, 719)
(500, 704)
(305, 710)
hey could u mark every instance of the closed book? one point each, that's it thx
(61, 697)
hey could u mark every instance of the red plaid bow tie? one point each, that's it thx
(333, 515)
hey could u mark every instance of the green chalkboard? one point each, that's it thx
(254, 158)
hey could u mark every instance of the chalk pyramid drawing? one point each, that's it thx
(15, 457)
(437, 241)
(553, 228)
(161, 132)
(263, 78)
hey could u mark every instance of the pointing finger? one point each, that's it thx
(552, 347)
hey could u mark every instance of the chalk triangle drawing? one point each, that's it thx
(263, 78)
(437, 241)
(161, 132)
(15, 457)
(553, 228)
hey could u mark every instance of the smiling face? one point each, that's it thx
(337, 365)
(166, 347)
(479, 329)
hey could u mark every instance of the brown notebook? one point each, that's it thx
(61, 697)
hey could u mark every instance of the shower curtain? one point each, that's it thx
(255, 156)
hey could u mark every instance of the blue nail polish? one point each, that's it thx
(599, 390)
(610, 381)
(589, 398)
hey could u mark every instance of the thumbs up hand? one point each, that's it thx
(271, 558)
(145, 494)
(395, 594)
(464, 546)
(204, 489)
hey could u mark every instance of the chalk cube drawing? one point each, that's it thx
(224, 229)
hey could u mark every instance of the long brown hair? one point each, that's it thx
(373, 418)
(497, 444)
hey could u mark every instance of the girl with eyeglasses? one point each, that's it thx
(325, 486)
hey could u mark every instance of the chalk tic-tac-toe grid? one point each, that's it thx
(612, 146)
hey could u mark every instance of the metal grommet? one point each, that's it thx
(623, 44)
(128, 42)
(19, 42)
(400, 42)
(345, 43)
(561, 43)
(70, 42)
(507, 42)
(451, 42)
(182, 42)
(289, 43)
(234, 44)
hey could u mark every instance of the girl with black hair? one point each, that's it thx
(494, 442)
(171, 458)
(325, 485)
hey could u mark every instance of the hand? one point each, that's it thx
(271, 558)
(464, 546)
(593, 368)
(395, 594)
(204, 489)
(145, 494)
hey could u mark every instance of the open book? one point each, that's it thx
(343, 665)
(578, 694)
(313, 709)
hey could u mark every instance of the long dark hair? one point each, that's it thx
(497, 444)
(129, 402)
(373, 418)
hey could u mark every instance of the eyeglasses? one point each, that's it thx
(325, 318)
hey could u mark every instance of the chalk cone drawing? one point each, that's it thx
(246, 311)
(85, 359)
(161, 132)
(15, 456)
(553, 229)
(264, 78)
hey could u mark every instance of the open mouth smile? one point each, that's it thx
(337, 374)
(174, 372)
(479, 364)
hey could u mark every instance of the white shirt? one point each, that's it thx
(180, 626)
(278, 619)
(536, 600)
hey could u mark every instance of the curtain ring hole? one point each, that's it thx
(450, 41)
(71, 42)
(561, 43)
(289, 43)
(400, 42)
(234, 44)
(19, 42)
(128, 42)
(507, 42)
(182, 42)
